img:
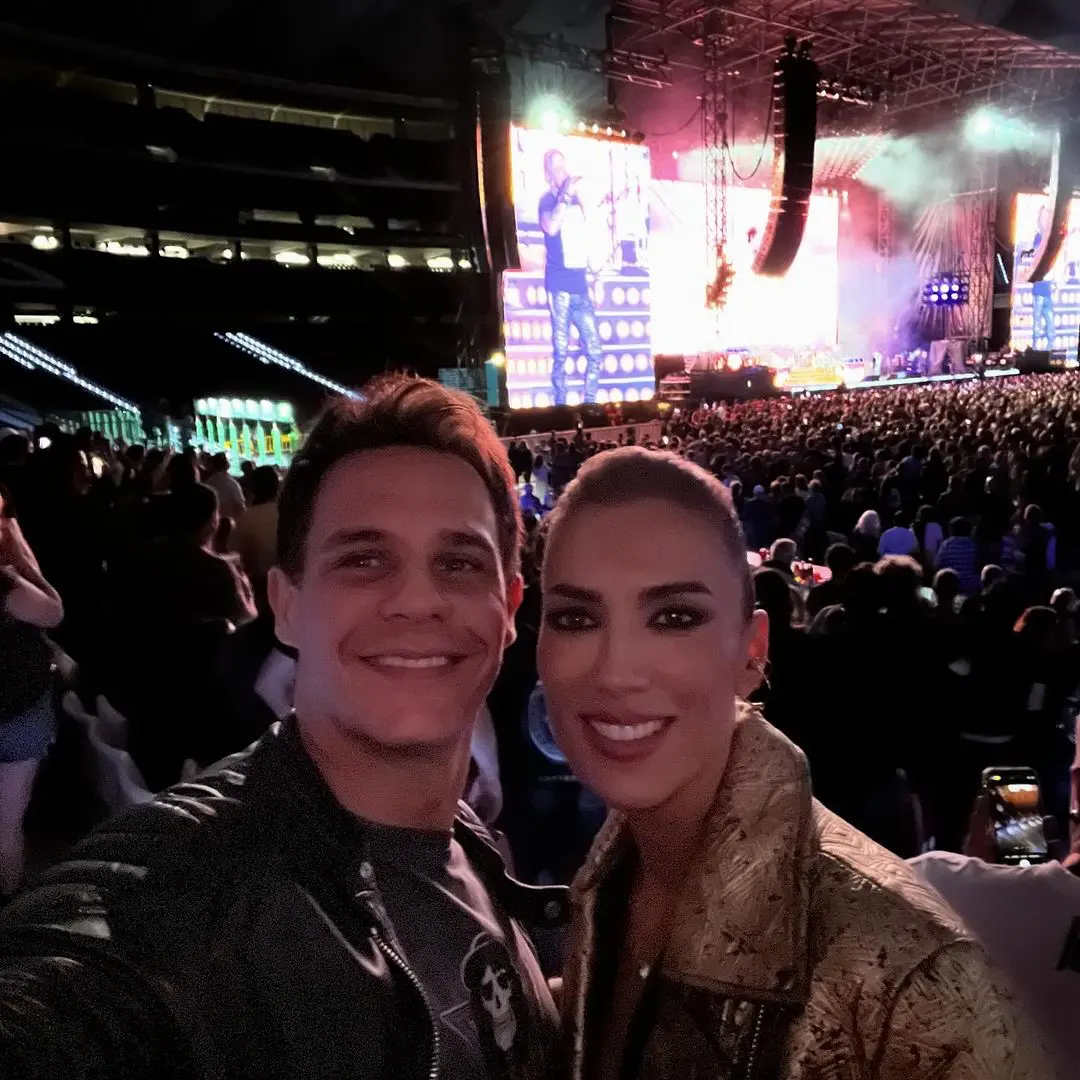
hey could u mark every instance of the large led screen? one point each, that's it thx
(797, 311)
(577, 314)
(1045, 315)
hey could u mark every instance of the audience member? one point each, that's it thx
(960, 554)
(866, 537)
(1026, 919)
(782, 555)
(899, 539)
(29, 605)
(231, 501)
(254, 537)
(322, 903)
(840, 560)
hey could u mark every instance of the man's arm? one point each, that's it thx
(551, 220)
(553, 210)
(952, 1019)
(72, 1007)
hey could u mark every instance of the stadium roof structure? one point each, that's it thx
(926, 63)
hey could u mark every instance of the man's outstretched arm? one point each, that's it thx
(71, 1007)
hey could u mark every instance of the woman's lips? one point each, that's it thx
(625, 738)
(619, 731)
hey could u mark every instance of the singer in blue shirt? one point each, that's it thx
(562, 219)
(1042, 292)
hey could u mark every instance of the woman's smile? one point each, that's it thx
(625, 737)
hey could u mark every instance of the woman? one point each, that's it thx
(930, 536)
(28, 606)
(867, 536)
(726, 925)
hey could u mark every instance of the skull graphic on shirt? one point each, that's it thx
(498, 1003)
(496, 995)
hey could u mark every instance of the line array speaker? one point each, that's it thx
(794, 136)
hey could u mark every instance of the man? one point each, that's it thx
(1042, 292)
(782, 555)
(231, 499)
(1028, 920)
(840, 559)
(530, 504)
(322, 906)
(759, 519)
(900, 539)
(255, 537)
(959, 552)
(562, 219)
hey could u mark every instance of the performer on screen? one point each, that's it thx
(562, 218)
(1042, 292)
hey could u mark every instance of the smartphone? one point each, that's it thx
(1016, 815)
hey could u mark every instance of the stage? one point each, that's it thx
(922, 230)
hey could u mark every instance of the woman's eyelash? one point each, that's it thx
(679, 619)
(570, 620)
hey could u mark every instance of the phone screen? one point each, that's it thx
(1016, 815)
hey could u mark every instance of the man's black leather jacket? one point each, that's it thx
(230, 928)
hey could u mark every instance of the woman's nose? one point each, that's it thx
(621, 666)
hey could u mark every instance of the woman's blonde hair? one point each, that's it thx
(632, 474)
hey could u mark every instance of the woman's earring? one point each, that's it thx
(761, 668)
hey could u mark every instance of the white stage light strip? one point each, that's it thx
(887, 384)
(30, 356)
(269, 355)
(918, 380)
(39, 356)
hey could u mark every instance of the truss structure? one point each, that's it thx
(714, 141)
(926, 63)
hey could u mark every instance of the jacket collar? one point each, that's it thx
(740, 925)
(320, 835)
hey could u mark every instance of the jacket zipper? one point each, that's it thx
(394, 957)
(752, 1059)
(758, 1022)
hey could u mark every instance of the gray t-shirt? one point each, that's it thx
(488, 992)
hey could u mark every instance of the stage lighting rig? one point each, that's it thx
(550, 113)
(620, 65)
(947, 290)
(850, 92)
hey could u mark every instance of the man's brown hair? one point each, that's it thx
(397, 410)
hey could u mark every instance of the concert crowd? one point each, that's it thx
(915, 551)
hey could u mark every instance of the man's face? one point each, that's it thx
(557, 170)
(403, 610)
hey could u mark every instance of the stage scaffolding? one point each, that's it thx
(956, 235)
(928, 64)
(714, 142)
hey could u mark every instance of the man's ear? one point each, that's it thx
(515, 592)
(281, 592)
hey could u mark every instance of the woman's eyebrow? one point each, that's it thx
(674, 588)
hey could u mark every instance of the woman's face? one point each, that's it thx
(643, 650)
